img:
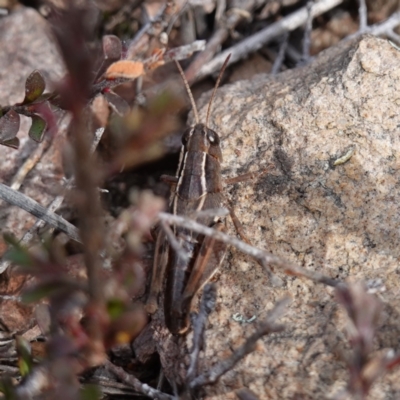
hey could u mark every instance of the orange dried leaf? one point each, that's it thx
(125, 69)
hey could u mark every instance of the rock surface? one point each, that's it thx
(341, 220)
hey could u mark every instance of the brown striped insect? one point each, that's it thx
(197, 187)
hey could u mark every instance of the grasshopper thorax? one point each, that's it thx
(201, 138)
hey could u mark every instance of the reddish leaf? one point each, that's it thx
(112, 47)
(44, 111)
(34, 87)
(37, 128)
(125, 69)
(9, 126)
(117, 103)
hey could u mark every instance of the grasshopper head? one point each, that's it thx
(201, 138)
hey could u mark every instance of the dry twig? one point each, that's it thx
(281, 55)
(258, 40)
(306, 58)
(136, 384)
(266, 327)
(30, 163)
(384, 28)
(173, 241)
(207, 305)
(232, 18)
(362, 15)
(26, 203)
(263, 257)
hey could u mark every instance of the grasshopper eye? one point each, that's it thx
(213, 137)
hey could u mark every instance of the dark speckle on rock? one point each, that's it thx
(270, 185)
(283, 161)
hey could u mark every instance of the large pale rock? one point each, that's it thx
(340, 220)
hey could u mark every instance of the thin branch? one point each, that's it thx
(185, 51)
(109, 386)
(281, 55)
(394, 37)
(159, 23)
(26, 203)
(220, 9)
(266, 327)
(145, 28)
(260, 255)
(307, 34)
(362, 15)
(380, 29)
(174, 242)
(30, 163)
(136, 384)
(261, 38)
(232, 18)
(206, 307)
(121, 14)
(97, 137)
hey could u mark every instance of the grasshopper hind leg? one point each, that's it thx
(158, 272)
(210, 258)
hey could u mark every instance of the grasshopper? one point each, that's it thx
(197, 187)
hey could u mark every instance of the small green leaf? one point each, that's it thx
(89, 392)
(25, 361)
(115, 308)
(9, 126)
(9, 238)
(17, 254)
(13, 143)
(37, 128)
(34, 87)
(7, 388)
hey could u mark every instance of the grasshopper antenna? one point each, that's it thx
(189, 92)
(216, 87)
